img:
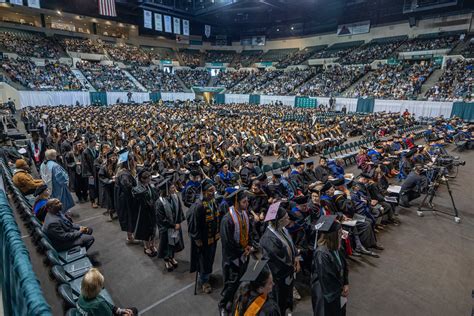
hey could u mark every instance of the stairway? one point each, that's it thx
(135, 81)
(80, 76)
(12, 83)
(431, 81)
(212, 82)
(185, 88)
(348, 92)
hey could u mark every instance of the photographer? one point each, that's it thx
(412, 186)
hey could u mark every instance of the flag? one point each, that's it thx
(107, 8)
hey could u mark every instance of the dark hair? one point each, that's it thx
(247, 288)
(330, 240)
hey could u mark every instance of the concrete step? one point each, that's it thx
(80, 76)
(430, 82)
(135, 81)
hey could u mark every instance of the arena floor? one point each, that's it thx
(427, 267)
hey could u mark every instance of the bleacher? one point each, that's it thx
(299, 57)
(30, 44)
(220, 56)
(160, 53)
(246, 58)
(275, 55)
(191, 57)
(337, 50)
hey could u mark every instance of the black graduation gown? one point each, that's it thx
(202, 258)
(328, 277)
(123, 200)
(168, 221)
(269, 308)
(322, 173)
(144, 201)
(106, 189)
(281, 264)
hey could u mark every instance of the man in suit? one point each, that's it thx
(62, 233)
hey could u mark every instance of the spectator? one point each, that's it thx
(90, 303)
(23, 179)
(62, 233)
(106, 77)
(456, 83)
(57, 179)
(193, 78)
(29, 44)
(41, 197)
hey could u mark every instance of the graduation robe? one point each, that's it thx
(169, 212)
(123, 200)
(269, 308)
(144, 201)
(203, 224)
(328, 276)
(57, 180)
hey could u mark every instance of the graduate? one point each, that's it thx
(169, 216)
(236, 245)
(254, 294)
(329, 275)
(204, 220)
(278, 247)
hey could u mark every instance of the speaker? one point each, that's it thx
(412, 21)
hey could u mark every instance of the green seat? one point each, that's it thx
(74, 269)
(292, 160)
(266, 168)
(276, 165)
(284, 163)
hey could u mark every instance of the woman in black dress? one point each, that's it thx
(144, 198)
(169, 216)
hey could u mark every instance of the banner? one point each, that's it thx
(106, 7)
(168, 24)
(34, 3)
(177, 25)
(207, 30)
(147, 19)
(354, 28)
(17, 2)
(158, 22)
(186, 27)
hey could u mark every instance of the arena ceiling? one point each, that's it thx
(272, 18)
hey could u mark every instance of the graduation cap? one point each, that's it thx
(261, 177)
(250, 159)
(365, 175)
(236, 194)
(254, 269)
(285, 168)
(327, 224)
(163, 185)
(302, 199)
(206, 184)
(110, 153)
(309, 162)
(122, 156)
(326, 187)
(338, 182)
(195, 172)
(298, 163)
(272, 211)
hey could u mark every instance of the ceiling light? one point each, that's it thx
(278, 30)
(58, 12)
(292, 28)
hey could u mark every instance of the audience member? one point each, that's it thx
(23, 180)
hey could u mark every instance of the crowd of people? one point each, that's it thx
(331, 81)
(52, 76)
(155, 79)
(255, 81)
(191, 58)
(128, 54)
(214, 56)
(429, 43)
(287, 82)
(194, 77)
(298, 57)
(156, 166)
(370, 52)
(400, 82)
(456, 82)
(105, 77)
(29, 44)
(82, 45)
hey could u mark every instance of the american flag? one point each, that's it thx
(107, 7)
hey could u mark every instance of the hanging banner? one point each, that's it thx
(34, 3)
(168, 24)
(147, 19)
(258, 41)
(207, 30)
(186, 27)
(17, 2)
(177, 25)
(354, 28)
(158, 22)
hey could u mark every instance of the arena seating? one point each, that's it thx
(380, 48)
(455, 83)
(337, 50)
(154, 79)
(160, 53)
(128, 54)
(402, 81)
(430, 42)
(287, 83)
(276, 55)
(191, 57)
(255, 81)
(246, 58)
(228, 79)
(104, 77)
(82, 45)
(331, 81)
(220, 56)
(28, 44)
(53, 76)
(192, 78)
(298, 57)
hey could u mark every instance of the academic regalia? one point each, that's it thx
(106, 189)
(329, 274)
(203, 224)
(190, 192)
(268, 308)
(322, 173)
(144, 201)
(169, 212)
(56, 178)
(278, 247)
(123, 200)
(246, 174)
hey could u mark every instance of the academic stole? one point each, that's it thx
(255, 307)
(211, 217)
